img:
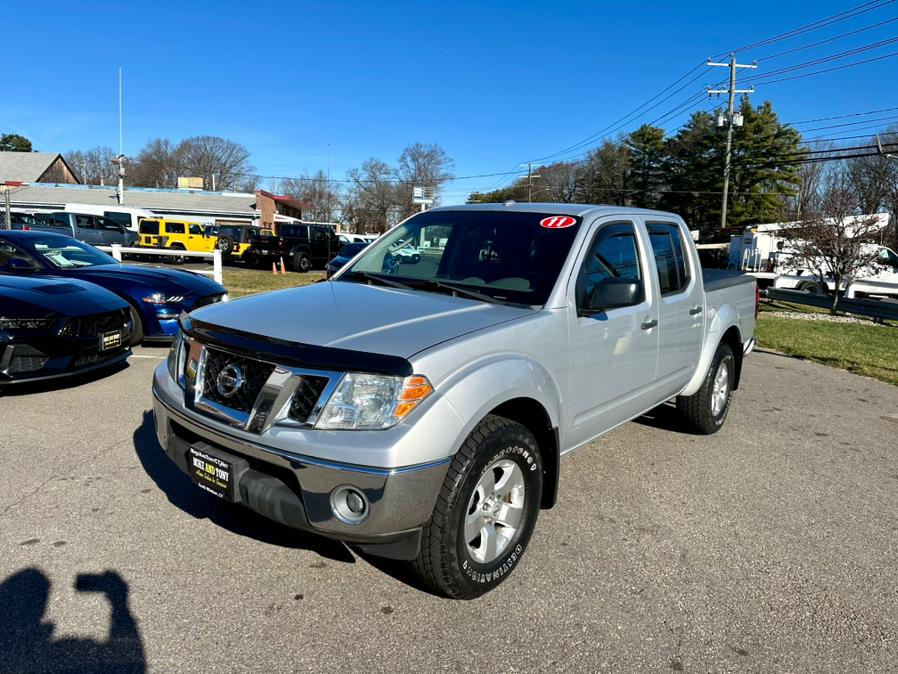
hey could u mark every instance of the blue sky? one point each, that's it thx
(496, 83)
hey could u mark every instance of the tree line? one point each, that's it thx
(775, 175)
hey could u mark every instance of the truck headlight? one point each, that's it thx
(372, 401)
(174, 356)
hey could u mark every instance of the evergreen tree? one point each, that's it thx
(647, 153)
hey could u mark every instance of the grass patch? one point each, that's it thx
(863, 349)
(241, 282)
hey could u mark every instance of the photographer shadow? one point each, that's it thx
(26, 640)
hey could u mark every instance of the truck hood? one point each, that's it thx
(359, 317)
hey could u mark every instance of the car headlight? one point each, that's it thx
(372, 401)
(26, 323)
(160, 298)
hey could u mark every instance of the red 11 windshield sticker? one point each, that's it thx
(558, 222)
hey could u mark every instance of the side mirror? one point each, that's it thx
(613, 293)
(18, 264)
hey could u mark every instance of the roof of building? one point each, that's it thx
(162, 201)
(26, 167)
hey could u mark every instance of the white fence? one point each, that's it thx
(116, 250)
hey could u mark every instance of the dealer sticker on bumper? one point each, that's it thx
(110, 340)
(210, 473)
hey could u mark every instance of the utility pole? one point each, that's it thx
(530, 177)
(882, 152)
(120, 191)
(731, 121)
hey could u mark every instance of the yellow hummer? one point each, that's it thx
(175, 234)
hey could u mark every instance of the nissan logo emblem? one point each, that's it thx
(229, 380)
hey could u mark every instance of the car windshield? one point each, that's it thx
(352, 249)
(504, 256)
(65, 253)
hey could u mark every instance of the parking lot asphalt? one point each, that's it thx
(771, 546)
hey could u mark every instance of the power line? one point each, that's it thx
(853, 114)
(820, 23)
(827, 40)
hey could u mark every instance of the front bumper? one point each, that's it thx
(295, 490)
(41, 358)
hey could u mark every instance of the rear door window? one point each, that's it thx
(149, 227)
(175, 228)
(85, 221)
(667, 246)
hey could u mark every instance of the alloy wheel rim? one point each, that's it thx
(721, 388)
(495, 511)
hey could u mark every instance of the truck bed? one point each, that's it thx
(718, 279)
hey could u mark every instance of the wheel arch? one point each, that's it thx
(724, 328)
(534, 417)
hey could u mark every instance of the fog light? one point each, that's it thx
(349, 505)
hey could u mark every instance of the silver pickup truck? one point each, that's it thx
(419, 410)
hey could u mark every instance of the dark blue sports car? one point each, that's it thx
(156, 296)
(56, 327)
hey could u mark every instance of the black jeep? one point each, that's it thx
(302, 246)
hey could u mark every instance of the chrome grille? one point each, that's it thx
(308, 391)
(254, 375)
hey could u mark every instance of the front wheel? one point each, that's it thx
(301, 262)
(485, 513)
(705, 411)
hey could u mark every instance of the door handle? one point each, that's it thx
(648, 325)
(694, 311)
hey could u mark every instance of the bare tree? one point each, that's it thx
(156, 165)
(218, 161)
(604, 174)
(317, 192)
(558, 183)
(833, 239)
(94, 166)
(375, 202)
(424, 164)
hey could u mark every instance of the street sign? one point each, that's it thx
(422, 195)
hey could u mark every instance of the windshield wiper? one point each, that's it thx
(464, 292)
(377, 278)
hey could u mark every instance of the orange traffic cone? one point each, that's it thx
(274, 267)
(283, 271)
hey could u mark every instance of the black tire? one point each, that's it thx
(301, 262)
(815, 288)
(136, 327)
(175, 259)
(444, 562)
(226, 245)
(697, 410)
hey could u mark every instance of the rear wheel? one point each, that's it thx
(705, 411)
(814, 287)
(176, 259)
(485, 513)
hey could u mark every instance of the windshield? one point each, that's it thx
(65, 253)
(507, 256)
(352, 249)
